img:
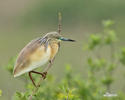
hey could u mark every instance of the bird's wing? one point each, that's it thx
(23, 58)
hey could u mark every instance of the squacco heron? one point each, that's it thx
(37, 53)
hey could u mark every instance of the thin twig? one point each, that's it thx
(37, 87)
(59, 22)
(112, 51)
(68, 96)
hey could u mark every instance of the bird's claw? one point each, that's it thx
(44, 75)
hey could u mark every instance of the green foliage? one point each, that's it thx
(107, 23)
(122, 56)
(20, 96)
(94, 41)
(0, 92)
(10, 65)
(74, 86)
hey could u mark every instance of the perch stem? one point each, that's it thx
(37, 86)
(59, 22)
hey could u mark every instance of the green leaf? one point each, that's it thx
(94, 41)
(111, 37)
(108, 23)
(0, 92)
(111, 67)
(122, 56)
(10, 65)
(107, 80)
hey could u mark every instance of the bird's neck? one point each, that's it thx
(53, 42)
(54, 48)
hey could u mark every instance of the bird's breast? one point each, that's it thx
(54, 50)
(40, 56)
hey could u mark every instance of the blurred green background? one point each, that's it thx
(21, 21)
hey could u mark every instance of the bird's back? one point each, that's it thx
(32, 56)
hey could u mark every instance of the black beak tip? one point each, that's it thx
(72, 40)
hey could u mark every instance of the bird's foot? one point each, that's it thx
(44, 75)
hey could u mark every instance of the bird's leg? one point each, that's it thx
(30, 75)
(43, 75)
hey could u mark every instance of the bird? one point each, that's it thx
(37, 53)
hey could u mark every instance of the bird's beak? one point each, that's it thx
(66, 39)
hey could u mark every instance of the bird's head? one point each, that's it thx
(55, 36)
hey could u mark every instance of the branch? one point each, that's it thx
(59, 22)
(37, 87)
